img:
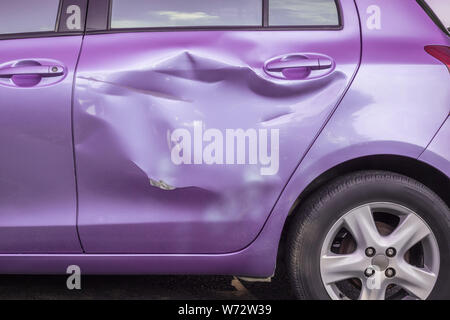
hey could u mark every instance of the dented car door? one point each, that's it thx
(189, 120)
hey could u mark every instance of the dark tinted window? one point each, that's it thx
(303, 13)
(185, 13)
(21, 16)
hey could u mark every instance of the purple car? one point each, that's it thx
(226, 137)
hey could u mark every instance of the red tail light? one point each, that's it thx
(442, 53)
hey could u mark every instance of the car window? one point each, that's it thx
(303, 13)
(184, 13)
(22, 16)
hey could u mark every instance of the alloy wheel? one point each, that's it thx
(379, 251)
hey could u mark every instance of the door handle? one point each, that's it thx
(312, 64)
(300, 66)
(44, 71)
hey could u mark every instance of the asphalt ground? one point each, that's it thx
(143, 287)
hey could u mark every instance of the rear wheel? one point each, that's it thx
(371, 235)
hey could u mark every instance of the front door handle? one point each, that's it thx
(299, 66)
(43, 71)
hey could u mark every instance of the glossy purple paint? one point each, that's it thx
(37, 183)
(133, 88)
(128, 100)
(438, 152)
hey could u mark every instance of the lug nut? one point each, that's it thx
(390, 272)
(370, 252)
(391, 252)
(369, 272)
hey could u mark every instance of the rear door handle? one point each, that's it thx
(312, 64)
(300, 66)
(44, 71)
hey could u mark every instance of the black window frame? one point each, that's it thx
(99, 24)
(57, 30)
(433, 16)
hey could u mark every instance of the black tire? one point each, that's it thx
(320, 211)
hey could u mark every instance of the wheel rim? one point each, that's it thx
(379, 251)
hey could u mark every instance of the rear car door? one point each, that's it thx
(38, 55)
(190, 116)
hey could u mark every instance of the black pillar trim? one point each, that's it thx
(98, 15)
(63, 16)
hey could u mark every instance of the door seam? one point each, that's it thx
(72, 104)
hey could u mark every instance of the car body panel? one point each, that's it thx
(37, 179)
(438, 152)
(134, 89)
(387, 109)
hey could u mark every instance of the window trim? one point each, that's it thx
(46, 34)
(90, 28)
(36, 35)
(433, 16)
(263, 27)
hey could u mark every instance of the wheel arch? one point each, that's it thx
(418, 170)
